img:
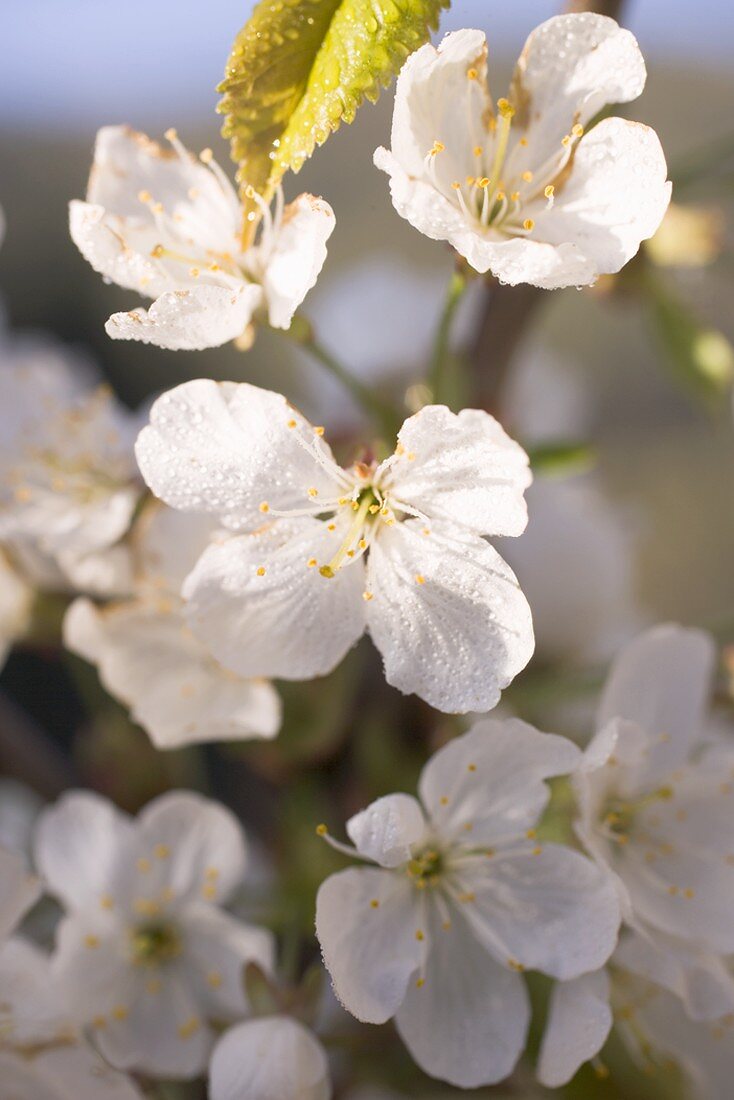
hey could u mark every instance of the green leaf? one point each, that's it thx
(299, 68)
(559, 458)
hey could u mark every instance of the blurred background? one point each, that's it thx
(634, 375)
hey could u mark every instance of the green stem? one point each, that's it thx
(301, 333)
(441, 356)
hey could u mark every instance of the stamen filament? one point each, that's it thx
(355, 529)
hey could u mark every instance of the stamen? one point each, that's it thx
(351, 537)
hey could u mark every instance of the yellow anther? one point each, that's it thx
(161, 851)
(420, 579)
(483, 182)
(688, 893)
(145, 196)
(375, 903)
(537, 851)
(515, 196)
(477, 150)
(194, 272)
(206, 156)
(144, 865)
(468, 826)
(158, 207)
(443, 800)
(528, 224)
(549, 191)
(456, 185)
(367, 596)
(264, 506)
(311, 563)
(471, 767)
(437, 147)
(470, 181)
(672, 890)
(313, 492)
(213, 266)
(411, 456)
(107, 902)
(157, 251)
(350, 553)
(318, 430)
(531, 834)
(327, 571)
(362, 544)
(209, 891)
(446, 925)
(566, 141)
(91, 941)
(99, 1023)
(420, 936)
(505, 108)
(189, 1028)
(331, 527)
(515, 965)
(321, 830)
(577, 130)
(524, 142)
(214, 979)
(170, 134)
(119, 1012)
(260, 571)
(374, 509)
(419, 983)
(527, 176)
(468, 897)
(471, 74)
(601, 1071)
(291, 424)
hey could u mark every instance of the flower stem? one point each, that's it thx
(301, 333)
(441, 355)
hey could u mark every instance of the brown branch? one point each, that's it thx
(509, 310)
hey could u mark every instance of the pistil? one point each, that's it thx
(364, 506)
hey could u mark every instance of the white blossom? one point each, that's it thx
(68, 481)
(272, 1058)
(325, 553)
(147, 655)
(463, 898)
(144, 956)
(654, 795)
(170, 226)
(519, 188)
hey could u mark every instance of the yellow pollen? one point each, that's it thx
(444, 800)
(446, 925)
(158, 207)
(170, 134)
(367, 596)
(350, 553)
(531, 834)
(419, 935)
(420, 982)
(161, 851)
(524, 142)
(374, 509)
(119, 1012)
(577, 130)
(321, 830)
(313, 492)
(469, 897)
(471, 767)
(420, 579)
(209, 892)
(528, 224)
(99, 1023)
(106, 901)
(143, 865)
(500, 196)
(471, 74)
(505, 108)
(483, 182)
(688, 893)
(515, 965)
(331, 527)
(212, 873)
(470, 181)
(189, 1028)
(326, 571)
(265, 507)
(311, 562)
(291, 424)
(145, 196)
(456, 185)
(194, 272)
(157, 251)
(566, 141)
(214, 979)
(260, 571)
(527, 176)
(515, 196)
(478, 150)
(549, 191)
(537, 851)
(91, 941)
(375, 903)
(437, 147)
(362, 544)
(318, 431)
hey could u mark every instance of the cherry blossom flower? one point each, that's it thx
(147, 655)
(272, 1058)
(654, 799)
(462, 899)
(327, 553)
(68, 481)
(517, 187)
(144, 956)
(160, 222)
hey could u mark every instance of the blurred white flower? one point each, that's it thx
(160, 222)
(64, 1073)
(68, 482)
(147, 655)
(654, 795)
(19, 808)
(395, 548)
(463, 899)
(273, 1058)
(144, 956)
(518, 189)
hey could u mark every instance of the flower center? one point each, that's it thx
(619, 816)
(366, 508)
(425, 869)
(154, 944)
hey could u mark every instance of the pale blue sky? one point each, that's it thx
(73, 64)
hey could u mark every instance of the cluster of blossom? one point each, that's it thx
(262, 558)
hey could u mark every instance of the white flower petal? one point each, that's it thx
(227, 448)
(467, 1023)
(460, 468)
(570, 67)
(204, 845)
(18, 891)
(298, 254)
(31, 1011)
(493, 778)
(447, 615)
(148, 658)
(262, 610)
(702, 981)
(662, 681)
(386, 830)
(615, 197)
(427, 211)
(189, 318)
(370, 950)
(547, 907)
(117, 249)
(76, 847)
(275, 1058)
(216, 949)
(579, 1021)
(80, 1074)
